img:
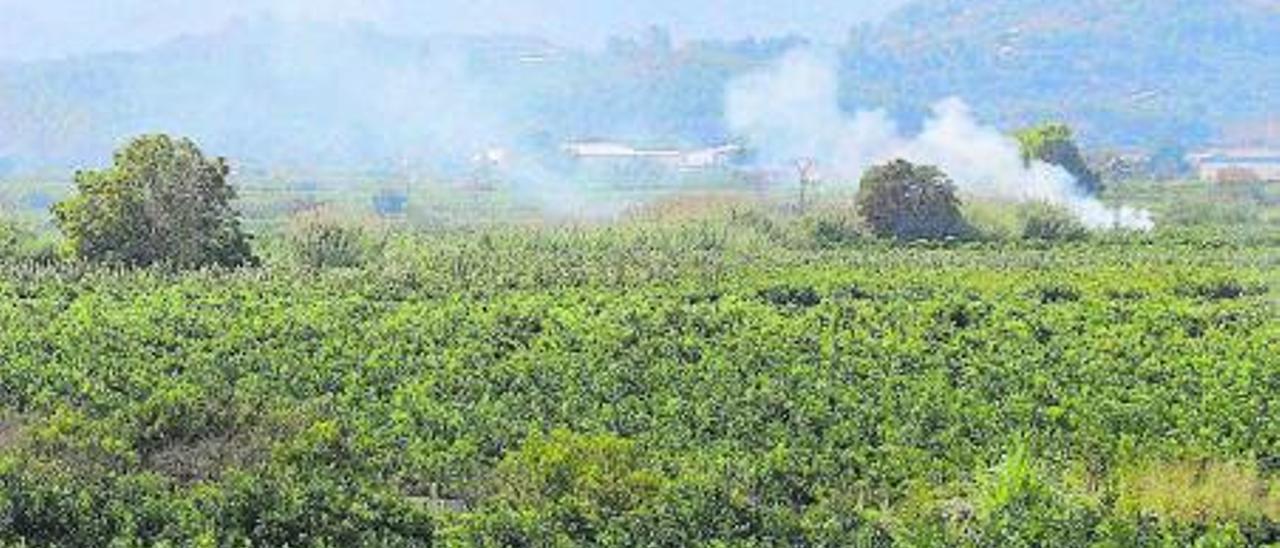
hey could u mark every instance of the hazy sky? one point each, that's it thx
(35, 29)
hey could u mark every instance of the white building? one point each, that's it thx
(685, 160)
(1237, 165)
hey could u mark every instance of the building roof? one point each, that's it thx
(1236, 156)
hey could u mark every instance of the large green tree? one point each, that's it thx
(161, 202)
(910, 202)
(1055, 144)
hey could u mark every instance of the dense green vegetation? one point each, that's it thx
(910, 202)
(1015, 61)
(1055, 144)
(162, 202)
(735, 377)
(631, 357)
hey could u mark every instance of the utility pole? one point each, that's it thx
(807, 169)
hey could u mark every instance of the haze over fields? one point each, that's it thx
(59, 27)
(385, 84)
(608, 273)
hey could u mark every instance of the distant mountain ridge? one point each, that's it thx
(1126, 73)
(348, 96)
(1140, 73)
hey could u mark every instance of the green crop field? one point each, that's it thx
(610, 273)
(737, 377)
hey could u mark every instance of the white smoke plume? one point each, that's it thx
(791, 111)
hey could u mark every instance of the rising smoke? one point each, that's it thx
(791, 111)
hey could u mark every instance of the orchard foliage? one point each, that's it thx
(701, 384)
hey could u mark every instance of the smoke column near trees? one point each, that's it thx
(791, 110)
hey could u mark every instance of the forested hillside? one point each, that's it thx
(1149, 74)
(329, 96)
(1140, 73)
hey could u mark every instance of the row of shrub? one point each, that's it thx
(163, 201)
(331, 238)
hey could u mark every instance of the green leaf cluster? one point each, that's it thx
(162, 202)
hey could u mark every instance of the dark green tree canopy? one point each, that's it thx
(162, 202)
(1055, 144)
(909, 202)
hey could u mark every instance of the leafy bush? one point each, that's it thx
(1055, 145)
(162, 202)
(19, 244)
(1047, 222)
(1218, 288)
(11, 239)
(787, 296)
(579, 489)
(321, 238)
(601, 474)
(990, 221)
(831, 230)
(1017, 505)
(908, 202)
(1050, 293)
(1200, 492)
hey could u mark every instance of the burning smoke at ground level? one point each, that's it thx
(790, 110)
